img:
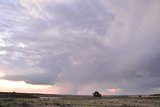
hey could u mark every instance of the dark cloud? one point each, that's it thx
(95, 43)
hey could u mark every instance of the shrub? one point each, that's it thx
(139, 96)
(96, 94)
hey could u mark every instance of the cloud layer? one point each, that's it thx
(82, 45)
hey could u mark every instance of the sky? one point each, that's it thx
(79, 46)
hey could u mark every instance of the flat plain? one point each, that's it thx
(52, 100)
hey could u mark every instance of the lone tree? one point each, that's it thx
(96, 94)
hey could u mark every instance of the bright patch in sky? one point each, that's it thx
(113, 90)
(21, 86)
(2, 74)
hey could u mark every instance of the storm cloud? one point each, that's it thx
(85, 45)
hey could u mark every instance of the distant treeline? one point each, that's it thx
(156, 95)
(17, 95)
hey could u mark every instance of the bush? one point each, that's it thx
(139, 96)
(96, 94)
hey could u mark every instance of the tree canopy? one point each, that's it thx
(96, 94)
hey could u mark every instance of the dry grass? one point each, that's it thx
(81, 101)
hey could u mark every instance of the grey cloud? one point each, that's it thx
(51, 53)
(70, 46)
(84, 15)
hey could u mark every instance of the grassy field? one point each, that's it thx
(47, 100)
